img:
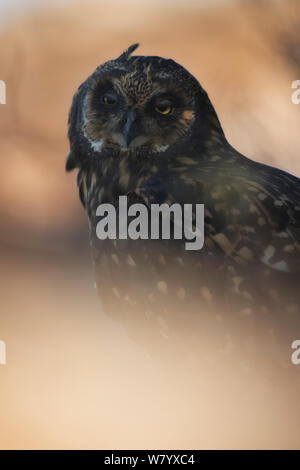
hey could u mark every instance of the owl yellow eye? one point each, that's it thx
(163, 109)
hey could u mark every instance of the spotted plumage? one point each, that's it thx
(144, 127)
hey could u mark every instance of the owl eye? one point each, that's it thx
(109, 99)
(163, 109)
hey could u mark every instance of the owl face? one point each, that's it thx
(136, 109)
(139, 105)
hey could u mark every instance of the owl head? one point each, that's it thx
(137, 104)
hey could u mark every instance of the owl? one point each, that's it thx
(143, 127)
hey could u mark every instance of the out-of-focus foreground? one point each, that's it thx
(73, 378)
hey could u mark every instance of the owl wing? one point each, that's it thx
(252, 217)
(252, 228)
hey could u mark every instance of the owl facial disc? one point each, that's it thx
(135, 103)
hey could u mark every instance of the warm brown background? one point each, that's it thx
(73, 378)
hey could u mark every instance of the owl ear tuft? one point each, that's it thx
(126, 54)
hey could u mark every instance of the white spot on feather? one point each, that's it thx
(160, 147)
(96, 145)
(279, 265)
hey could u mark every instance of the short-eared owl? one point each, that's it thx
(143, 127)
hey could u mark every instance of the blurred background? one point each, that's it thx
(73, 378)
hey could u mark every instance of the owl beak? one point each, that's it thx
(130, 130)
